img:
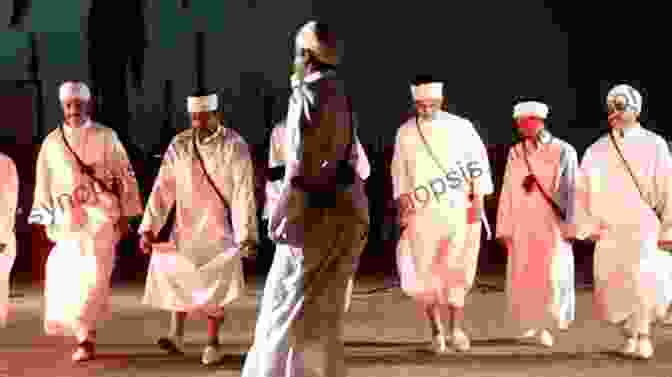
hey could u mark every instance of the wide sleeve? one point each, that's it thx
(663, 190)
(129, 196)
(505, 205)
(243, 201)
(275, 161)
(42, 197)
(586, 224)
(162, 198)
(399, 168)
(569, 165)
(484, 184)
(9, 187)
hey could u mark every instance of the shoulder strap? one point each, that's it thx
(554, 205)
(431, 153)
(86, 169)
(205, 171)
(632, 174)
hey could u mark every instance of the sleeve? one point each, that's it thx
(8, 201)
(243, 201)
(42, 193)
(484, 183)
(585, 222)
(360, 160)
(505, 206)
(163, 195)
(663, 190)
(399, 168)
(275, 160)
(567, 183)
(130, 199)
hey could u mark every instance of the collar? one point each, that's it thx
(87, 124)
(628, 132)
(208, 139)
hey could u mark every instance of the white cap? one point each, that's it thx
(433, 90)
(202, 104)
(632, 97)
(307, 39)
(74, 89)
(530, 108)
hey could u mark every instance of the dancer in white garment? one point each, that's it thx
(627, 195)
(9, 196)
(535, 219)
(85, 193)
(207, 173)
(440, 173)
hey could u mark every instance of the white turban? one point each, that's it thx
(530, 108)
(633, 99)
(307, 39)
(202, 104)
(433, 90)
(74, 89)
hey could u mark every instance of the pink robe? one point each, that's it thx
(9, 195)
(88, 252)
(540, 283)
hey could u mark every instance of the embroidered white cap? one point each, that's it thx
(74, 89)
(530, 108)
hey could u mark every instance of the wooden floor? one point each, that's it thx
(384, 337)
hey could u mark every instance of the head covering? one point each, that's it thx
(74, 89)
(426, 87)
(317, 38)
(530, 109)
(633, 100)
(201, 102)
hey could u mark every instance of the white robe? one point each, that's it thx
(9, 195)
(205, 273)
(630, 271)
(84, 256)
(437, 254)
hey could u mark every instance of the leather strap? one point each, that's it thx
(632, 174)
(554, 205)
(205, 171)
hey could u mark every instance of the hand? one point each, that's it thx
(146, 241)
(600, 233)
(665, 245)
(248, 249)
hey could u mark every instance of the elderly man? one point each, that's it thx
(85, 193)
(627, 192)
(322, 212)
(441, 172)
(207, 173)
(9, 196)
(534, 220)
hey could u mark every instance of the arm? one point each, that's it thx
(401, 180)
(243, 201)
(163, 195)
(567, 185)
(663, 190)
(505, 205)
(129, 195)
(42, 198)
(10, 196)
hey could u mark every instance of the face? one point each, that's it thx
(619, 114)
(529, 126)
(427, 109)
(199, 119)
(74, 111)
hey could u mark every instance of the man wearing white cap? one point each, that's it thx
(627, 194)
(322, 212)
(535, 219)
(9, 196)
(207, 173)
(85, 192)
(440, 172)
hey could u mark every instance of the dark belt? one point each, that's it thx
(323, 195)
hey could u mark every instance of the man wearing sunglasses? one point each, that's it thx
(627, 194)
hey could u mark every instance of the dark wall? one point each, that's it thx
(140, 58)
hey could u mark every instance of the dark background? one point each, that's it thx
(142, 58)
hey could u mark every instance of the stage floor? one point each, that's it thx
(383, 335)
